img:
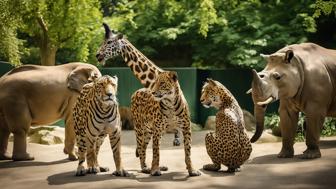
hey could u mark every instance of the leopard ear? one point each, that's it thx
(173, 75)
(211, 81)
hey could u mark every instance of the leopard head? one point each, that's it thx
(106, 90)
(214, 94)
(165, 85)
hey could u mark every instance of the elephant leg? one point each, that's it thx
(4, 136)
(19, 126)
(288, 125)
(314, 126)
(20, 146)
(70, 138)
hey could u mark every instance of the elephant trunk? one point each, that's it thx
(259, 114)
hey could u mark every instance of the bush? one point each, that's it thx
(272, 122)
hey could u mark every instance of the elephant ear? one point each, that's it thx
(80, 76)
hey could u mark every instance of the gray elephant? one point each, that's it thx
(37, 95)
(303, 78)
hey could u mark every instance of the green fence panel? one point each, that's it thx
(238, 81)
(5, 67)
(128, 84)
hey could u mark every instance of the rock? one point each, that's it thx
(196, 127)
(126, 118)
(210, 123)
(249, 120)
(265, 137)
(46, 135)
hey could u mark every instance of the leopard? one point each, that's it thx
(96, 115)
(154, 111)
(229, 144)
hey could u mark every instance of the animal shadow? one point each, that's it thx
(12, 164)
(69, 177)
(273, 159)
(166, 176)
(221, 173)
(325, 144)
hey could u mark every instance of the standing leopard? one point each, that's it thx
(95, 115)
(229, 144)
(155, 110)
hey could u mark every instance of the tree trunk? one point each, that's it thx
(48, 55)
(47, 49)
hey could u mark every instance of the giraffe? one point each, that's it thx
(143, 68)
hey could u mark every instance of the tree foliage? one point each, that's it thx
(51, 25)
(202, 33)
(214, 32)
(325, 7)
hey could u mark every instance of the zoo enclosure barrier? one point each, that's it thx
(238, 81)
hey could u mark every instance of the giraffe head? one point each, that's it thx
(111, 46)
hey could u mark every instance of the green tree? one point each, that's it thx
(52, 25)
(9, 22)
(213, 33)
(325, 7)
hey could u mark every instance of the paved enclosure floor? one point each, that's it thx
(51, 170)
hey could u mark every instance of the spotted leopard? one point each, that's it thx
(155, 110)
(95, 115)
(229, 144)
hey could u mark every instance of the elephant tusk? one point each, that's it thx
(249, 91)
(265, 102)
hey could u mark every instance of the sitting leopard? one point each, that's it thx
(155, 110)
(229, 144)
(95, 115)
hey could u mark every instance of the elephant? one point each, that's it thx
(33, 95)
(303, 78)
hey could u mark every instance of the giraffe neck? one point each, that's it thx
(144, 69)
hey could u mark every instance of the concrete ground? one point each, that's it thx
(50, 169)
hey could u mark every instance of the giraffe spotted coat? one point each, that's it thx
(229, 144)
